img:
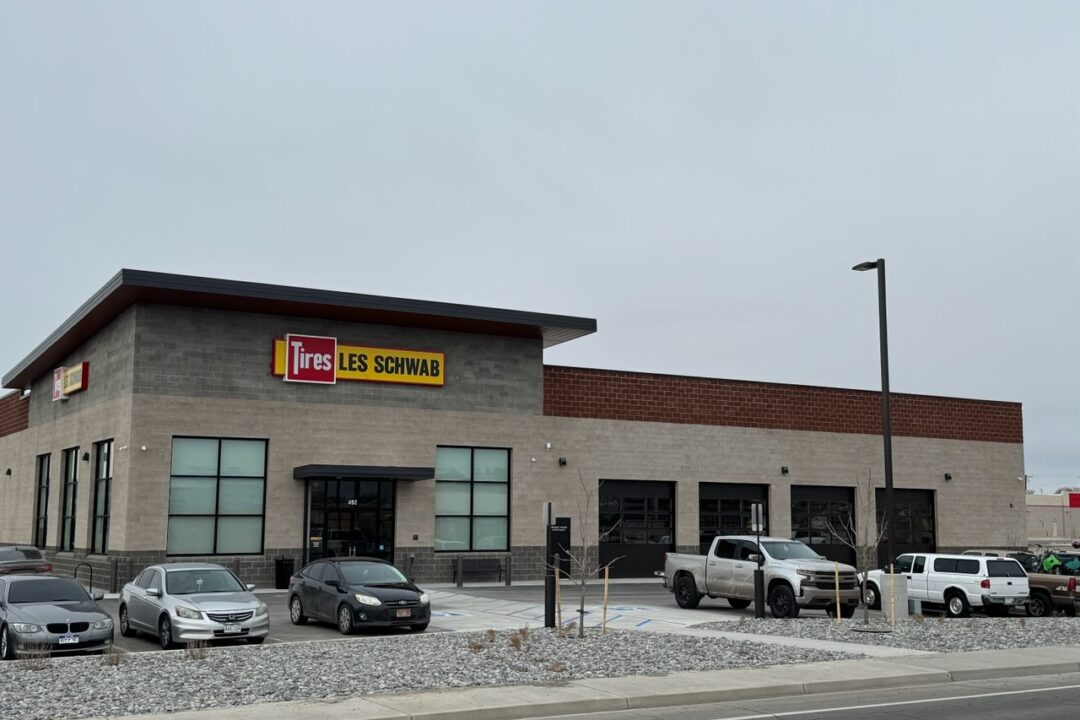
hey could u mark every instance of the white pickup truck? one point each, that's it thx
(796, 577)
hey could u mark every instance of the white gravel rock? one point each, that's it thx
(166, 682)
(934, 634)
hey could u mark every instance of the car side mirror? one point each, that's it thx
(754, 557)
(153, 592)
(333, 584)
(250, 586)
(97, 596)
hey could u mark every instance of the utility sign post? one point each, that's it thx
(757, 524)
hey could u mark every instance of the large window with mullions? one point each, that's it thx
(217, 492)
(472, 499)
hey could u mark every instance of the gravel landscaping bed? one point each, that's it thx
(162, 682)
(937, 634)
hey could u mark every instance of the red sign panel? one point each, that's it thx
(1074, 499)
(310, 359)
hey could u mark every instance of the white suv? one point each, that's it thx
(956, 582)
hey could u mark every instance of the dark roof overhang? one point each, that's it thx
(129, 287)
(364, 472)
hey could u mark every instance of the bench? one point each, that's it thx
(476, 568)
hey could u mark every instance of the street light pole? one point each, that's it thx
(886, 415)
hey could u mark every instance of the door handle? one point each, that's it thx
(738, 564)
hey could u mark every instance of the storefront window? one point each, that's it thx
(67, 507)
(103, 472)
(41, 516)
(472, 499)
(216, 497)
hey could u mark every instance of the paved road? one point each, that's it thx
(644, 606)
(1053, 697)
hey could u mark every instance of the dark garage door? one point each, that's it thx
(724, 509)
(637, 525)
(813, 508)
(913, 521)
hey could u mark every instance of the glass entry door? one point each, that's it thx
(351, 517)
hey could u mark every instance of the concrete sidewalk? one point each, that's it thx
(687, 688)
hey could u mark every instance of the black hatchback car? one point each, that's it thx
(357, 592)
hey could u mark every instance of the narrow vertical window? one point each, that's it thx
(67, 508)
(41, 501)
(103, 472)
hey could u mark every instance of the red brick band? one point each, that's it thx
(614, 395)
(14, 413)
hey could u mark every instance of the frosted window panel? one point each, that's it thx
(453, 463)
(240, 497)
(190, 536)
(192, 496)
(489, 499)
(194, 456)
(451, 533)
(246, 458)
(239, 535)
(451, 498)
(489, 534)
(491, 466)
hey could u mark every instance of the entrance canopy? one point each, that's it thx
(380, 472)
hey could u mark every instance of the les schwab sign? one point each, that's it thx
(70, 380)
(314, 359)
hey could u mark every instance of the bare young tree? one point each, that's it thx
(864, 541)
(584, 562)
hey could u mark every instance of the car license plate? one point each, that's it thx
(404, 612)
(69, 639)
(232, 629)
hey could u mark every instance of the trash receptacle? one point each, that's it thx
(283, 570)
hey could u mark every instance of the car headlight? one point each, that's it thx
(367, 599)
(25, 628)
(804, 573)
(424, 599)
(105, 624)
(261, 608)
(189, 613)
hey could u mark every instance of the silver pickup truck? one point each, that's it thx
(796, 577)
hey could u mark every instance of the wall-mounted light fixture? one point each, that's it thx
(783, 470)
(86, 457)
(8, 472)
(562, 462)
(948, 477)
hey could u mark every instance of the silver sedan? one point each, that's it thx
(183, 602)
(50, 613)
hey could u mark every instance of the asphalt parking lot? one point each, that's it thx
(642, 605)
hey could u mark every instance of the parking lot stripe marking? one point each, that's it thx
(644, 622)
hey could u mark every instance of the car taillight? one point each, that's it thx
(1072, 584)
(47, 567)
(985, 584)
(4, 570)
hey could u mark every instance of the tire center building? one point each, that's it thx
(179, 418)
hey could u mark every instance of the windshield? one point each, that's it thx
(43, 590)
(789, 550)
(361, 573)
(213, 580)
(17, 553)
(1004, 568)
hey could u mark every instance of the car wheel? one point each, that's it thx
(782, 602)
(737, 603)
(125, 623)
(1039, 605)
(956, 605)
(847, 611)
(7, 647)
(686, 594)
(872, 597)
(419, 628)
(256, 641)
(345, 620)
(296, 611)
(165, 636)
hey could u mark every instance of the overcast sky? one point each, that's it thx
(697, 176)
